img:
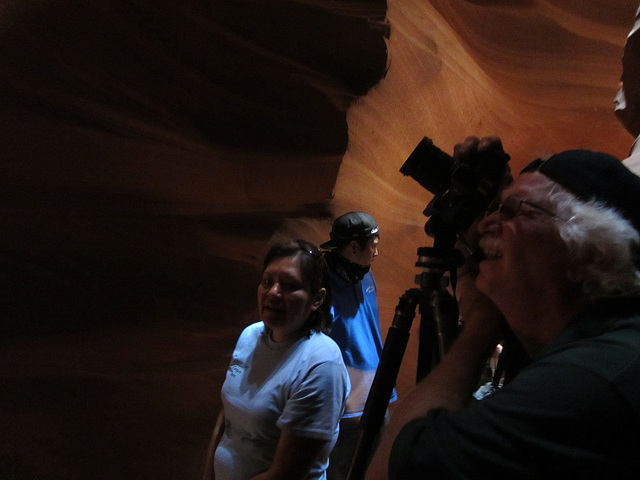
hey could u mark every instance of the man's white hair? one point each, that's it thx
(602, 245)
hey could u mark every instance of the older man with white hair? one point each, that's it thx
(561, 267)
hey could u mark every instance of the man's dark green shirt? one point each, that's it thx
(574, 412)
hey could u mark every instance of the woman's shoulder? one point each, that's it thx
(253, 331)
(323, 345)
(321, 338)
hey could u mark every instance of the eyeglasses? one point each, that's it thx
(510, 207)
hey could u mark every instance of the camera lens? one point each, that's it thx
(429, 166)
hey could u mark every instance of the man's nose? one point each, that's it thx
(490, 224)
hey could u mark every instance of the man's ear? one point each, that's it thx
(319, 300)
(354, 247)
(591, 258)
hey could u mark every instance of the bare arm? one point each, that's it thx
(218, 430)
(294, 457)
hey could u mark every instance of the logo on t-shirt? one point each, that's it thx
(236, 368)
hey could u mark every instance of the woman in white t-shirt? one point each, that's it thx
(286, 386)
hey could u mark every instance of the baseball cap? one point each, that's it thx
(594, 176)
(350, 226)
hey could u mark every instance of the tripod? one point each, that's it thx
(438, 328)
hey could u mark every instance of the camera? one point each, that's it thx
(462, 189)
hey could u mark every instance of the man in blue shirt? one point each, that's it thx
(356, 326)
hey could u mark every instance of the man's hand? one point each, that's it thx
(471, 146)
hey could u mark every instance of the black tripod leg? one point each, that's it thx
(383, 383)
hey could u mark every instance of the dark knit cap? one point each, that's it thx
(351, 226)
(594, 176)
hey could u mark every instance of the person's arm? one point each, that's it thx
(218, 430)
(451, 383)
(294, 457)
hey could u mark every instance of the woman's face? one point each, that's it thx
(284, 299)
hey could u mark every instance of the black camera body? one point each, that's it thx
(462, 189)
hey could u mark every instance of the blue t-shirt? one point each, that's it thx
(356, 330)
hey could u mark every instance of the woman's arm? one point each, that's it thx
(218, 430)
(294, 457)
